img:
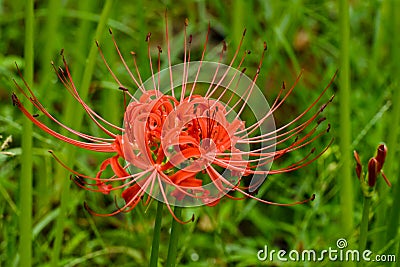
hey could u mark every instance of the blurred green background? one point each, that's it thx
(300, 35)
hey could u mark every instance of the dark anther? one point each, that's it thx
(255, 192)
(190, 39)
(323, 107)
(283, 85)
(186, 22)
(35, 115)
(244, 31)
(265, 46)
(321, 120)
(62, 52)
(123, 89)
(312, 197)
(148, 37)
(224, 46)
(78, 180)
(86, 206)
(159, 48)
(15, 100)
(329, 128)
(110, 31)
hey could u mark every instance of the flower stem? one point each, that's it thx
(25, 223)
(393, 139)
(364, 224)
(173, 239)
(156, 235)
(346, 181)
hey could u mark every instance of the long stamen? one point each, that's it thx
(130, 205)
(108, 66)
(223, 50)
(38, 105)
(150, 61)
(200, 63)
(168, 205)
(111, 179)
(139, 85)
(158, 69)
(254, 81)
(233, 91)
(306, 110)
(69, 84)
(209, 93)
(169, 54)
(99, 147)
(185, 66)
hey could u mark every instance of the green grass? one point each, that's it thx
(345, 180)
(300, 35)
(74, 117)
(25, 181)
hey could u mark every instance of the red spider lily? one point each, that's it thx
(186, 146)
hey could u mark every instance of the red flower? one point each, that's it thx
(187, 146)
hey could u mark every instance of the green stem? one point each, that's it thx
(52, 21)
(46, 76)
(364, 224)
(156, 235)
(346, 180)
(75, 116)
(387, 34)
(394, 218)
(25, 242)
(237, 16)
(392, 158)
(174, 238)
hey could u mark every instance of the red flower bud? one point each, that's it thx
(372, 171)
(358, 164)
(381, 156)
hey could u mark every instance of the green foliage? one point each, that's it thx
(300, 35)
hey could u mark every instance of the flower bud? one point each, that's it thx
(381, 156)
(358, 164)
(372, 171)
